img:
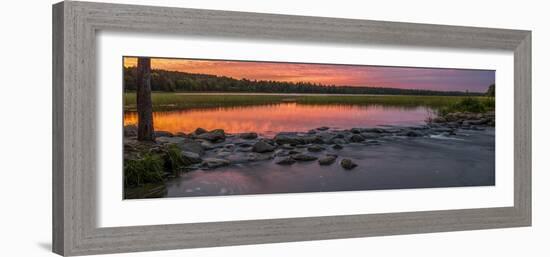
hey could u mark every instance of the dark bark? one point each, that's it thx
(144, 102)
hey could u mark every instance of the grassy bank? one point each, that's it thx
(178, 101)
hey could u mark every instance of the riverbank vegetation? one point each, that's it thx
(163, 101)
(469, 105)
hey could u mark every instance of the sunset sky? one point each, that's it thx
(329, 74)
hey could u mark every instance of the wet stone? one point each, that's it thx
(328, 159)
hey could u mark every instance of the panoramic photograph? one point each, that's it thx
(196, 127)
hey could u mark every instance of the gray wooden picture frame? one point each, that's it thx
(75, 25)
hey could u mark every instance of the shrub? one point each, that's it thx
(148, 169)
(472, 105)
(173, 160)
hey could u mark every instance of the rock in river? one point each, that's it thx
(191, 146)
(411, 133)
(356, 130)
(303, 157)
(315, 148)
(190, 157)
(216, 135)
(288, 138)
(213, 163)
(253, 157)
(356, 138)
(337, 147)
(199, 131)
(328, 160)
(348, 164)
(262, 147)
(370, 135)
(184, 144)
(248, 135)
(285, 161)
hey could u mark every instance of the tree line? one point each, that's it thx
(175, 81)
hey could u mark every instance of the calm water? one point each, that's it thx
(271, 119)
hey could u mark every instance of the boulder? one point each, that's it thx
(259, 157)
(190, 158)
(412, 133)
(191, 146)
(207, 145)
(356, 138)
(285, 161)
(288, 138)
(214, 136)
(370, 135)
(315, 148)
(337, 147)
(184, 144)
(212, 163)
(262, 147)
(328, 159)
(248, 135)
(340, 134)
(374, 130)
(326, 137)
(347, 164)
(303, 157)
(313, 139)
(199, 131)
(323, 128)
(356, 130)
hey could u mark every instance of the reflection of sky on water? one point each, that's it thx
(271, 119)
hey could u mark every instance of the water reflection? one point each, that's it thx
(271, 119)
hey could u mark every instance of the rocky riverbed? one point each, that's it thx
(207, 154)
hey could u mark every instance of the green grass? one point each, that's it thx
(469, 104)
(173, 160)
(178, 101)
(148, 169)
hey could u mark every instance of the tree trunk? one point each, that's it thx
(144, 102)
